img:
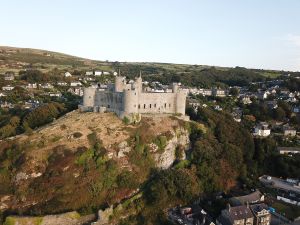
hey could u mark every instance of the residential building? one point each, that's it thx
(254, 197)
(9, 76)
(289, 131)
(89, 73)
(238, 215)
(288, 150)
(262, 216)
(68, 74)
(8, 88)
(262, 129)
(75, 84)
(98, 73)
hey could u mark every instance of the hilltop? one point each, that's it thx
(16, 59)
(95, 157)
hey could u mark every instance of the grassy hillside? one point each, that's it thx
(15, 59)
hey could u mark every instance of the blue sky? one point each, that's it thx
(249, 33)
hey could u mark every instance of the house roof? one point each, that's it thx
(258, 207)
(240, 212)
(250, 198)
(290, 149)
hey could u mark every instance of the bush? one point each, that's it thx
(77, 135)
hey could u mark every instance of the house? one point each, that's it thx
(76, 91)
(261, 213)
(46, 86)
(272, 104)
(75, 84)
(9, 76)
(263, 95)
(296, 109)
(98, 73)
(288, 131)
(238, 215)
(55, 94)
(194, 104)
(217, 92)
(288, 150)
(106, 73)
(7, 88)
(31, 86)
(254, 197)
(68, 74)
(89, 73)
(246, 100)
(2, 94)
(62, 83)
(262, 129)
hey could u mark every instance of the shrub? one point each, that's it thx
(77, 135)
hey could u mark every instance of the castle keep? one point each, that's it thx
(128, 99)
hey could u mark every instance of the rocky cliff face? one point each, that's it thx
(95, 157)
(179, 142)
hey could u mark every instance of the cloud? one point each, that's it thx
(293, 39)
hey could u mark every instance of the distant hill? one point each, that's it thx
(15, 59)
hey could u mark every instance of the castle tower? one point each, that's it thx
(174, 87)
(130, 101)
(139, 83)
(180, 102)
(89, 97)
(119, 83)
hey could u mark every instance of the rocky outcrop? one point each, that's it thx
(180, 139)
(70, 218)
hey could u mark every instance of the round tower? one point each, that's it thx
(119, 84)
(138, 84)
(180, 102)
(89, 96)
(130, 101)
(174, 87)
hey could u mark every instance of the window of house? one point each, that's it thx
(150, 106)
(108, 106)
(169, 105)
(139, 106)
(154, 105)
(165, 105)
(144, 106)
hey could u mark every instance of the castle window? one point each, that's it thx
(169, 105)
(154, 105)
(144, 106)
(150, 106)
(165, 105)
(139, 106)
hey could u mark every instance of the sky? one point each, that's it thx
(249, 33)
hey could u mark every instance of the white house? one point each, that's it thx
(68, 74)
(46, 86)
(31, 86)
(106, 73)
(75, 84)
(9, 76)
(89, 73)
(98, 73)
(289, 131)
(76, 91)
(7, 88)
(262, 129)
(62, 83)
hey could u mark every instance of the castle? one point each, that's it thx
(129, 99)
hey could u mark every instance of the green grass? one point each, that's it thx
(288, 210)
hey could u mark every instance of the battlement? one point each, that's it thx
(128, 99)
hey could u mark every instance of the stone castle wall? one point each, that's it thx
(126, 99)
